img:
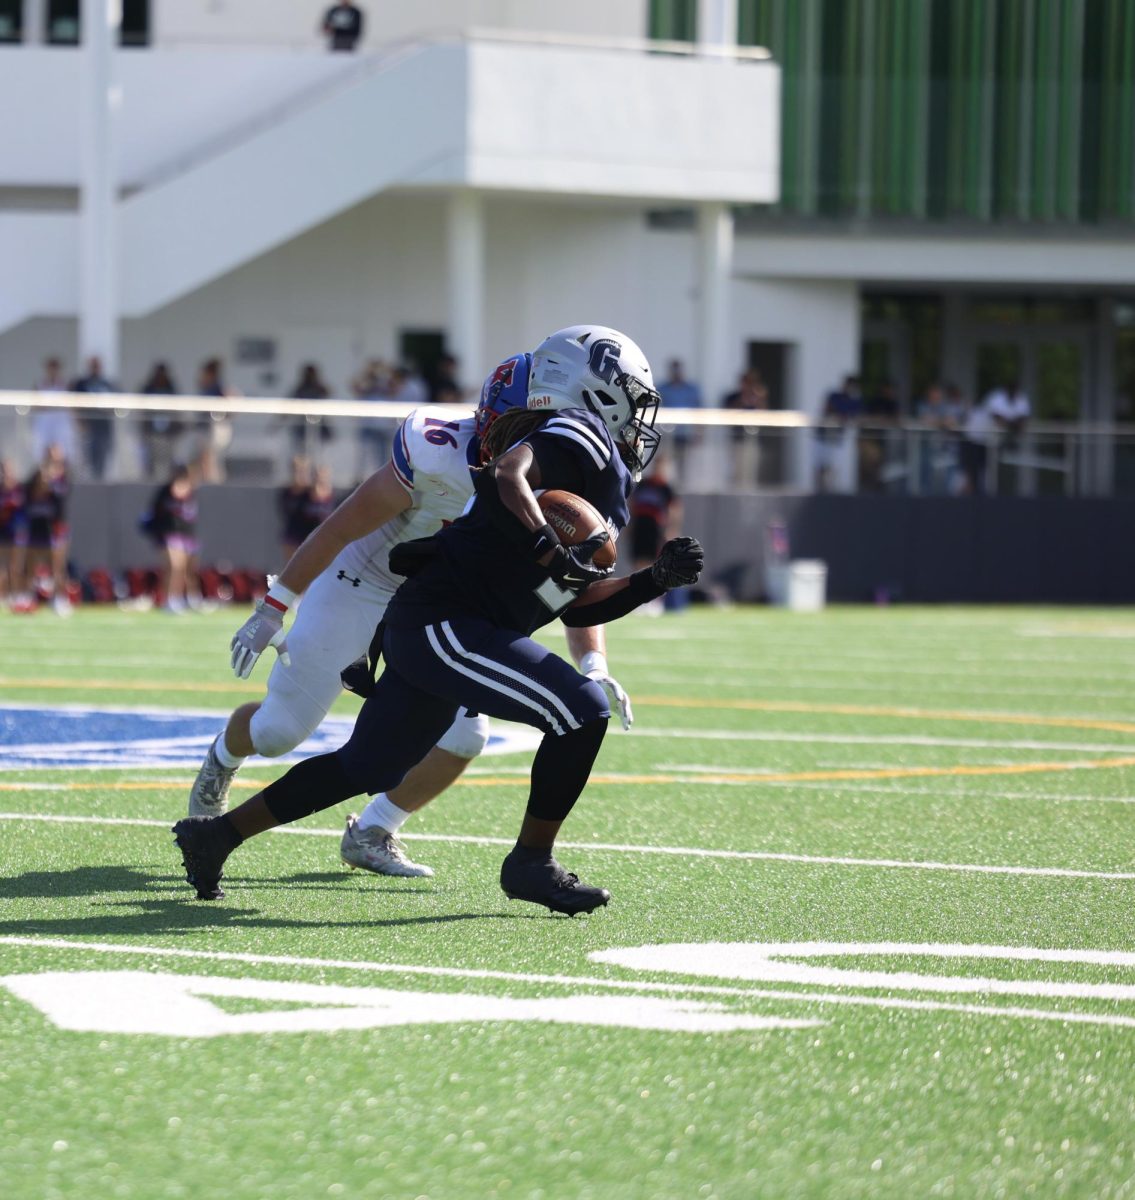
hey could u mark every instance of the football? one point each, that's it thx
(574, 521)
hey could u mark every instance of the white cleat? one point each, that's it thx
(209, 796)
(378, 851)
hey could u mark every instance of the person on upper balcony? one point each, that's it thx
(343, 26)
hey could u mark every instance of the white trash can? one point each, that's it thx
(807, 585)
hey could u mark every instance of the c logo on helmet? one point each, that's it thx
(604, 360)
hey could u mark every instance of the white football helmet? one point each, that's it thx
(600, 369)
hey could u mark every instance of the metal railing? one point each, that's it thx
(133, 438)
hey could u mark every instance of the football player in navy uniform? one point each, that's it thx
(343, 571)
(457, 632)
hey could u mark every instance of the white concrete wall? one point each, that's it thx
(173, 105)
(296, 22)
(343, 291)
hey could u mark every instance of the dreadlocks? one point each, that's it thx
(516, 424)
(509, 428)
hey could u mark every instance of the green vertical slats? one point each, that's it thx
(1123, 204)
(1005, 110)
(1043, 181)
(810, 101)
(1066, 199)
(673, 20)
(917, 80)
(1026, 95)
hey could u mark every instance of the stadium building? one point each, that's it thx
(918, 193)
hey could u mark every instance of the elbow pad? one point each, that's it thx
(640, 588)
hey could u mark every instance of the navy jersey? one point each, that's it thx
(479, 571)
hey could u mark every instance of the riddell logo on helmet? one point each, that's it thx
(539, 401)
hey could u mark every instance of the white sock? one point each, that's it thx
(382, 813)
(225, 756)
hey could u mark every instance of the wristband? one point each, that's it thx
(593, 661)
(543, 539)
(279, 597)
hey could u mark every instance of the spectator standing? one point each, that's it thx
(679, 392)
(343, 26)
(881, 412)
(979, 432)
(409, 386)
(160, 431)
(444, 386)
(41, 535)
(172, 525)
(291, 500)
(53, 426)
(310, 386)
(843, 406)
(1010, 409)
(11, 504)
(656, 514)
(97, 430)
(750, 396)
(213, 432)
(943, 412)
(374, 382)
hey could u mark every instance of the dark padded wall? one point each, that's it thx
(1044, 550)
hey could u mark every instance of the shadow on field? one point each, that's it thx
(159, 913)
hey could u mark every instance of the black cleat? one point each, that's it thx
(204, 848)
(536, 876)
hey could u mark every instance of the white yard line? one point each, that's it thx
(629, 848)
(570, 981)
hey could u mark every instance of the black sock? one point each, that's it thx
(561, 767)
(232, 838)
(309, 787)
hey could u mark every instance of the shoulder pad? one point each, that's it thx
(430, 443)
(584, 429)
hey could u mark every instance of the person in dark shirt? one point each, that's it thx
(310, 386)
(457, 632)
(172, 524)
(314, 507)
(95, 424)
(291, 500)
(655, 509)
(343, 25)
(41, 536)
(11, 503)
(160, 431)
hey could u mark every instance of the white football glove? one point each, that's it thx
(615, 693)
(263, 629)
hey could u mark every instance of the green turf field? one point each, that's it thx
(906, 834)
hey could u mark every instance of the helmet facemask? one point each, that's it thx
(637, 437)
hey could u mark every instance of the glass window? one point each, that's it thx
(11, 20)
(63, 25)
(674, 20)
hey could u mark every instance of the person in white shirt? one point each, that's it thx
(54, 426)
(1009, 407)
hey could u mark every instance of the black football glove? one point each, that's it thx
(571, 566)
(679, 564)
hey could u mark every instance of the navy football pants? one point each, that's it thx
(430, 673)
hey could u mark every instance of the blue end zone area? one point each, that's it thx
(81, 736)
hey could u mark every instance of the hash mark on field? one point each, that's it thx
(822, 860)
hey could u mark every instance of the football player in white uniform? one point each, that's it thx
(343, 572)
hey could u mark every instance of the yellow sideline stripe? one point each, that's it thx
(769, 706)
(880, 710)
(1102, 764)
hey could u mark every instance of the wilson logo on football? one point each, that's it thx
(561, 523)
